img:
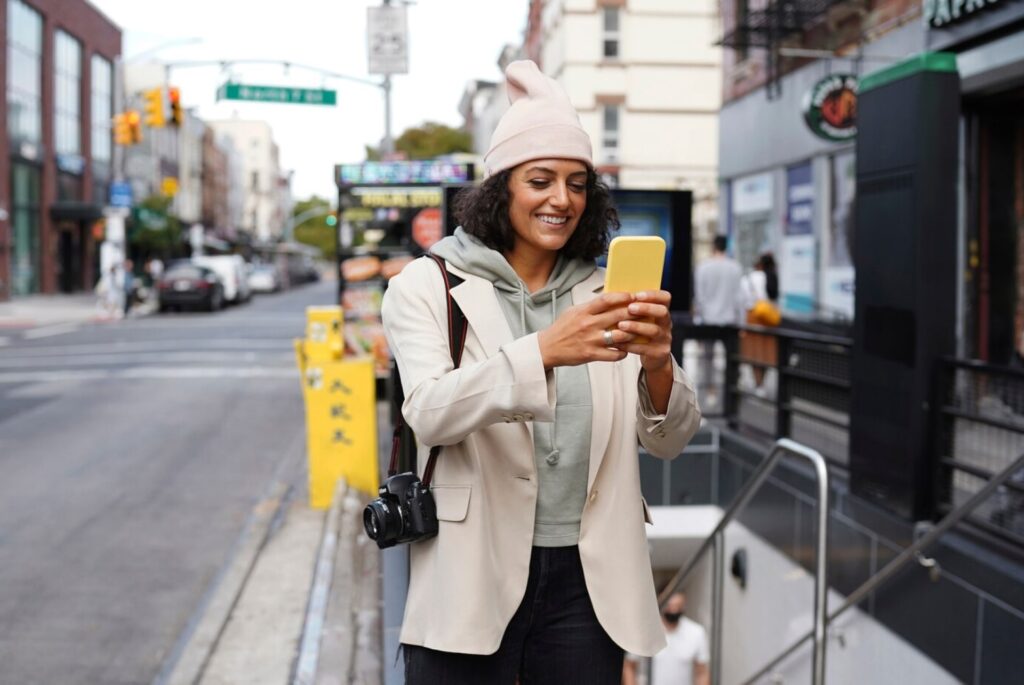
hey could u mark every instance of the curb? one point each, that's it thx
(316, 610)
(198, 641)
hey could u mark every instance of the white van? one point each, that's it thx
(231, 270)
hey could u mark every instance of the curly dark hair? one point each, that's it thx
(482, 211)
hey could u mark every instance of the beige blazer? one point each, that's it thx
(466, 583)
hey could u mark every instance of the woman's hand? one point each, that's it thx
(577, 336)
(649, 318)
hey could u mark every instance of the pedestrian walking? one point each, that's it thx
(128, 285)
(684, 660)
(540, 569)
(717, 302)
(760, 290)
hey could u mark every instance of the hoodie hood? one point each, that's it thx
(467, 253)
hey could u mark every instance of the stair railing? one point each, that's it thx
(715, 543)
(911, 553)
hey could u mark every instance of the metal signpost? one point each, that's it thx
(387, 46)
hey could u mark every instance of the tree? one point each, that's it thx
(428, 141)
(315, 231)
(154, 230)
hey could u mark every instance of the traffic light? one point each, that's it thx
(153, 106)
(134, 126)
(127, 130)
(332, 220)
(122, 133)
(174, 95)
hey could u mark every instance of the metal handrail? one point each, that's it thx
(715, 541)
(909, 554)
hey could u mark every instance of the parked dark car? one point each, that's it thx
(189, 286)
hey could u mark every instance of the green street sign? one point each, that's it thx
(294, 96)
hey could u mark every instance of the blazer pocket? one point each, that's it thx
(452, 501)
(647, 512)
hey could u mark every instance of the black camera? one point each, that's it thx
(404, 512)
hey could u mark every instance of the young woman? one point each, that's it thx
(540, 570)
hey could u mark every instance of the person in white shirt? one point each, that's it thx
(717, 293)
(684, 661)
(718, 300)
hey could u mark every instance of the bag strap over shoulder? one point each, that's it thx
(457, 329)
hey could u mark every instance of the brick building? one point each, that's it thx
(56, 159)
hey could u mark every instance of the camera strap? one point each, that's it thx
(457, 328)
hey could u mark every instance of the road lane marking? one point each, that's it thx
(49, 331)
(154, 373)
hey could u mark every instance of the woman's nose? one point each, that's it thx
(559, 195)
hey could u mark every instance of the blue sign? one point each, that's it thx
(120, 194)
(799, 200)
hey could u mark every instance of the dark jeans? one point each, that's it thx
(554, 637)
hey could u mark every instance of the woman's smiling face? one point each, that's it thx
(548, 197)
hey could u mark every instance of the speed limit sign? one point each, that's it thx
(387, 39)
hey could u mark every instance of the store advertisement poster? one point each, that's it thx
(797, 273)
(837, 298)
(797, 267)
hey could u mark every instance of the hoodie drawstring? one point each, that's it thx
(553, 456)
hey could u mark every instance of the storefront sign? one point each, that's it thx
(427, 228)
(939, 13)
(402, 173)
(752, 194)
(830, 107)
(397, 198)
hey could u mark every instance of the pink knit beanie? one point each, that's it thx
(540, 123)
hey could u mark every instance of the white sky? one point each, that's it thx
(450, 41)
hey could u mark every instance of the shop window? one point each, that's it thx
(24, 229)
(611, 33)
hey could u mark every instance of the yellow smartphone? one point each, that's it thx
(634, 265)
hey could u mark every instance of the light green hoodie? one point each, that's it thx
(562, 449)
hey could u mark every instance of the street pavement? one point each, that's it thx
(135, 457)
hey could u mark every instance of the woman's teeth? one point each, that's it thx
(554, 220)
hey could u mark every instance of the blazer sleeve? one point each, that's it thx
(444, 404)
(665, 435)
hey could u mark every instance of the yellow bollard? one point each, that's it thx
(341, 414)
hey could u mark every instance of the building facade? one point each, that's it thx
(266, 190)
(57, 154)
(645, 76)
(784, 188)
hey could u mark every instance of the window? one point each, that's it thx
(101, 110)
(24, 85)
(610, 133)
(611, 32)
(67, 114)
(25, 180)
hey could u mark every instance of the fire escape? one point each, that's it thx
(777, 23)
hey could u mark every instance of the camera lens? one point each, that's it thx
(376, 519)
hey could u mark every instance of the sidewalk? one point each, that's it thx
(31, 311)
(298, 604)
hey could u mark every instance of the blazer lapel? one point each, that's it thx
(602, 381)
(477, 300)
(475, 296)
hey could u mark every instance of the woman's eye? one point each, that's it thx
(578, 187)
(538, 182)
